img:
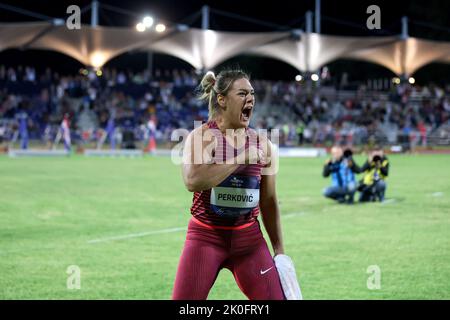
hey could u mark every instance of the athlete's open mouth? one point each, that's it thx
(246, 113)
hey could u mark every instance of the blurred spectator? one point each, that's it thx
(341, 168)
(375, 170)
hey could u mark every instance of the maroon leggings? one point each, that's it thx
(244, 252)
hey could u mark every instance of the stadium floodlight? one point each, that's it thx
(160, 27)
(147, 21)
(411, 80)
(314, 77)
(140, 27)
(298, 78)
(97, 59)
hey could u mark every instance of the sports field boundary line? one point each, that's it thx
(293, 214)
(136, 235)
(169, 230)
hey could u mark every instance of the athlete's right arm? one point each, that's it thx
(199, 173)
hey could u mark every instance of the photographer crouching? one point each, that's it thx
(376, 169)
(342, 169)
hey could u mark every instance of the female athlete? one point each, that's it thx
(231, 186)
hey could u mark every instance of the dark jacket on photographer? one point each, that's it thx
(342, 172)
(372, 173)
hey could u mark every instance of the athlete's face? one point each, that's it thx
(237, 105)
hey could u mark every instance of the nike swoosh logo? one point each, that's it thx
(265, 271)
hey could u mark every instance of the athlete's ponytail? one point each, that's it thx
(211, 86)
(208, 92)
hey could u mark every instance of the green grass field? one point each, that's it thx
(51, 208)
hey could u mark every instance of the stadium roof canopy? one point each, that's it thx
(92, 46)
(446, 59)
(313, 50)
(204, 49)
(405, 56)
(16, 35)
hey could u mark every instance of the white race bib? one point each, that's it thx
(235, 196)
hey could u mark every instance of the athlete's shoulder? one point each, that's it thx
(199, 131)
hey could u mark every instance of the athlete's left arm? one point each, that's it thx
(268, 203)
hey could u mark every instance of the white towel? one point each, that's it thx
(288, 277)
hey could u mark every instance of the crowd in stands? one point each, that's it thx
(90, 98)
(303, 114)
(328, 116)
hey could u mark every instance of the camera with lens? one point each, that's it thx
(376, 158)
(348, 153)
(347, 157)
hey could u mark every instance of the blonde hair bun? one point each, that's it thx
(208, 81)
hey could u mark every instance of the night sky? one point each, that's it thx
(338, 17)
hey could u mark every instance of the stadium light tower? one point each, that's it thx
(317, 17)
(308, 18)
(147, 24)
(317, 30)
(205, 17)
(404, 35)
(94, 13)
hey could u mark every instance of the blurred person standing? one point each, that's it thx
(299, 130)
